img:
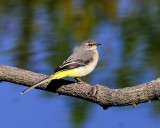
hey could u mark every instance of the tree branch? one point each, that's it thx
(99, 94)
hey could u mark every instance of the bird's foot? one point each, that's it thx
(79, 81)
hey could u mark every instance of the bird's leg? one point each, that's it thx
(79, 80)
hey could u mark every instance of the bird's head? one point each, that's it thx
(89, 45)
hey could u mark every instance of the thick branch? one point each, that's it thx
(99, 94)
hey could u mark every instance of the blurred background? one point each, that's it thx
(38, 35)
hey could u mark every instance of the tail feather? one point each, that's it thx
(39, 83)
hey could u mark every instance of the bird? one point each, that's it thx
(80, 63)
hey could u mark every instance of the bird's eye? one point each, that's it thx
(89, 44)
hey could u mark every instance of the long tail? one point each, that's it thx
(39, 83)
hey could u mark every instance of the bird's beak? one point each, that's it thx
(98, 44)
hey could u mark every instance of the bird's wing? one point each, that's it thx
(77, 59)
(71, 64)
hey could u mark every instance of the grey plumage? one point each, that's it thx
(80, 57)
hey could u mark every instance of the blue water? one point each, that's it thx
(34, 109)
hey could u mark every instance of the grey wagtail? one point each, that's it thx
(82, 62)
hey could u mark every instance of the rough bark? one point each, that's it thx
(98, 94)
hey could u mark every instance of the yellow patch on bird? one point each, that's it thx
(67, 73)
